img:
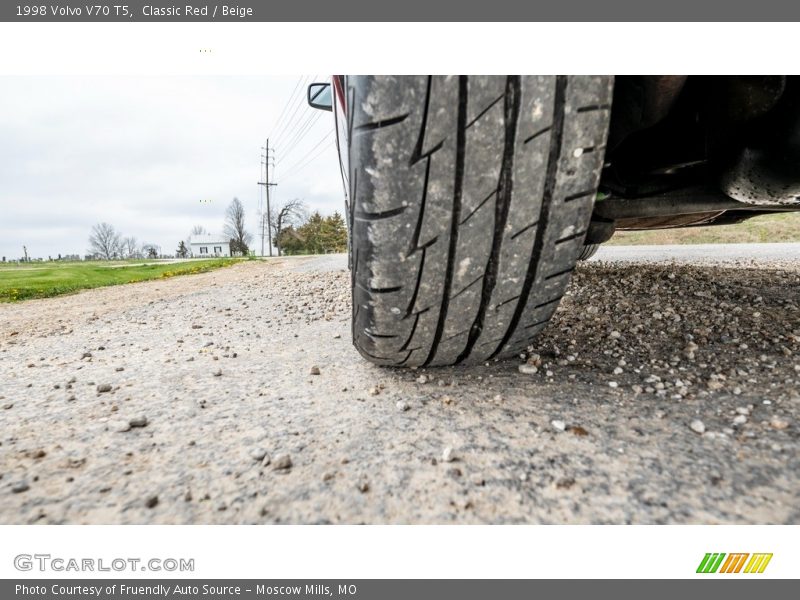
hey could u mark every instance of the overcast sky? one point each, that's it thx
(153, 156)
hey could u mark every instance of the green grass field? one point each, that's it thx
(46, 279)
(779, 227)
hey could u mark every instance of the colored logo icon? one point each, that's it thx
(742, 562)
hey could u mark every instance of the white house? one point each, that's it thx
(207, 245)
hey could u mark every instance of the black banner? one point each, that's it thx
(733, 588)
(143, 11)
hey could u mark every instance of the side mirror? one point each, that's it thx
(319, 96)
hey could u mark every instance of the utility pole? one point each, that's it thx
(266, 183)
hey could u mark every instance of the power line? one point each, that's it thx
(294, 169)
(290, 122)
(286, 105)
(293, 124)
(299, 136)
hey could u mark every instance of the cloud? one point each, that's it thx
(142, 153)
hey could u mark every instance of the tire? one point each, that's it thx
(588, 251)
(470, 201)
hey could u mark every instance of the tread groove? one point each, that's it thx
(532, 325)
(484, 111)
(477, 208)
(410, 335)
(537, 134)
(414, 294)
(547, 303)
(466, 287)
(375, 290)
(381, 123)
(524, 229)
(377, 216)
(577, 195)
(505, 188)
(418, 227)
(416, 155)
(554, 154)
(456, 215)
(506, 301)
(592, 107)
(569, 238)
(455, 335)
(560, 273)
(381, 336)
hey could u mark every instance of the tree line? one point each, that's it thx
(293, 231)
(106, 243)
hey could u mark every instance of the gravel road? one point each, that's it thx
(661, 393)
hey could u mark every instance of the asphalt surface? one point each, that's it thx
(729, 255)
(666, 390)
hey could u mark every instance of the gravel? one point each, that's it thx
(140, 421)
(697, 426)
(282, 462)
(258, 454)
(695, 344)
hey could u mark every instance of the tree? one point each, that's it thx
(335, 233)
(150, 250)
(286, 215)
(311, 232)
(235, 230)
(130, 247)
(182, 251)
(291, 242)
(104, 241)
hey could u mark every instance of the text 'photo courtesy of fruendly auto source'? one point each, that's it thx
(404, 299)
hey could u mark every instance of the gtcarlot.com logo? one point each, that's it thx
(47, 562)
(739, 562)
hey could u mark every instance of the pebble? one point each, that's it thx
(527, 369)
(151, 502)
(258, 454)
(218, 373)
(448, 454)
(402, 406)
(697, 426)
(739, 420)
(282, 462)
(778, 423)
(19, 487)
(120, 426)
(558, 425)
(422, 379)
(103, 388)
(140, 421)
(314, 370)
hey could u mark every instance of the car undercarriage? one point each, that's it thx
(699, 150)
